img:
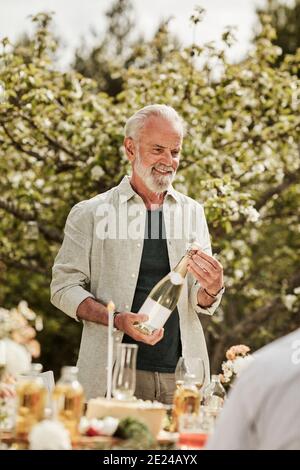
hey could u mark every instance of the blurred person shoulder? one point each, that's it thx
(279, 357)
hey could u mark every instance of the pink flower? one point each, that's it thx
(237, 359)
(238, 350)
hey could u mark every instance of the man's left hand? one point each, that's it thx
(208, 271)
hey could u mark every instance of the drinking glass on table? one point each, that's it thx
(193, 366)
(195, 429)
(191, 433)
(124, 374)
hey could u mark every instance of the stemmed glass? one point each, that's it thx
(124, 374)
(190, 365)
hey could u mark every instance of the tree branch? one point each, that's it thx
(57, 145)
(12, 209)
(51, 234)
(289, 179)
(61, 167)
(20, 147)
(24, 265)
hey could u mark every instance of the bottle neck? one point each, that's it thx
(181, 267)
(69, 374)
(69, 378)
(35, 369)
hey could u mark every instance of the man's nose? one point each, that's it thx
(167, 158)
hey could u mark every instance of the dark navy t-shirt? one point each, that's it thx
(163, 356)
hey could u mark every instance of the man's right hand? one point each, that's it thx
(125, 321)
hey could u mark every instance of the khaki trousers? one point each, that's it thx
(157, 386)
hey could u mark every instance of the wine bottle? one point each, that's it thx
(186, 400)
(68, 400)
(164, 296)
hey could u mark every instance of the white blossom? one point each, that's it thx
(229, 254)
(259, 168)
(49, 95)
(289, 301)
(233, 205)
(238, 273)
(97, 172)
(227, 369)
(2, 93)
(252, 214)
(47, 122)
(228, 125)
(40, 183)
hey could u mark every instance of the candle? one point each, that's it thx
(110, 309)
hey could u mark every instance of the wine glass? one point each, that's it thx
(190, 365)
(195, 366)
(180, 372)
(124, 374)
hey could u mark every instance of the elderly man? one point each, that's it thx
(119, 244)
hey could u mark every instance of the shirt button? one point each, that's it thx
(138, 245)
(127, 307)
(133, 275)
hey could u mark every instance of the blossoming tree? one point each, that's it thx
(60, 142)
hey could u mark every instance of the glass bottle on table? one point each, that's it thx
(164, 296)
(214, 394)
(68, 400)
(186, 400)
(31, 400)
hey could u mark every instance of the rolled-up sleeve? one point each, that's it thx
(206, 310)
(203, 239)
(71, 269)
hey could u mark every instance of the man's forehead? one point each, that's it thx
(161, 132)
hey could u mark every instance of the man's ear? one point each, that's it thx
(130, 148)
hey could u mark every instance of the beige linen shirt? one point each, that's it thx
(100, 257)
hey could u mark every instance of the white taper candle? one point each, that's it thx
(110, 345)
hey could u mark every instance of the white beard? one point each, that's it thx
(155, 183)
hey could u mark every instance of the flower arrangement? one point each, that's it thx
(16, 324)
(238, 358)
(18, 327)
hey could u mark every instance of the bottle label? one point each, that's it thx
(158, 315)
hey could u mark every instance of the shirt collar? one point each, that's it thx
(126, 191)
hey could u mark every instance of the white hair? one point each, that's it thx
(136, 122)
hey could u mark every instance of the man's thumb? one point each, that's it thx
(141, 317)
